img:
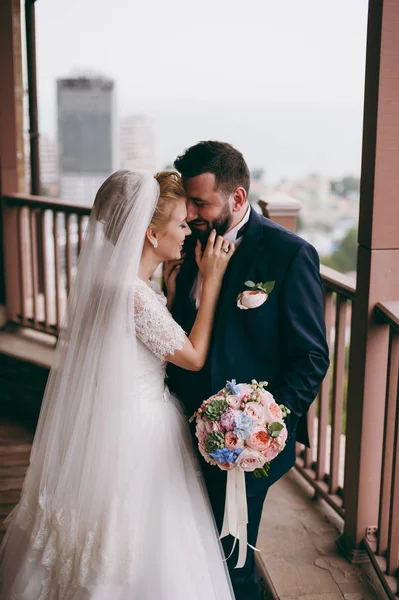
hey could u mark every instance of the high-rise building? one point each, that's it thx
(137, 144)
(85, 135)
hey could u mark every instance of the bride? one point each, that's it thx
(113, 506)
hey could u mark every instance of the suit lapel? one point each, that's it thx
(238, 270)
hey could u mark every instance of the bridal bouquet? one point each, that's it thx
(239, 429)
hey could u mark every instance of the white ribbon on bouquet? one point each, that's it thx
(235, 519)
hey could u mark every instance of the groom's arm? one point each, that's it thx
(305, 351)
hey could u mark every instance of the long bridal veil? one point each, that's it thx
(86, 454)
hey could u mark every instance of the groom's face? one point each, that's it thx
(207, 208)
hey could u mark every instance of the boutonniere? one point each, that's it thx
(255, 296)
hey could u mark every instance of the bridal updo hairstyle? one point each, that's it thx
(171, 192)
(112, 203)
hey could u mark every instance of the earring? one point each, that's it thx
(156, 244)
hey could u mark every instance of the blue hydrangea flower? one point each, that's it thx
(243, 426)
(224, 455)
(231, 386)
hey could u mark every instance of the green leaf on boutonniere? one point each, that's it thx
(274, 429)
(267, 287)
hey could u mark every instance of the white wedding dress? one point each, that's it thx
(160, 541)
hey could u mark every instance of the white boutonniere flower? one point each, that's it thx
(255, 296)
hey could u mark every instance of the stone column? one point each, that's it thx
(11, 144)
(377, 275)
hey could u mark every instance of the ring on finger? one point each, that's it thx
(226, 249)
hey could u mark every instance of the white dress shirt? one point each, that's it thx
(230, 236)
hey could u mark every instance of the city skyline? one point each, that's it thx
(283, 83)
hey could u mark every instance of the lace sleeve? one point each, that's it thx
(154, 324)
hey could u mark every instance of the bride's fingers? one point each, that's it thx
(171, 264)
(211, 240)
(174, 273)
(218, 243)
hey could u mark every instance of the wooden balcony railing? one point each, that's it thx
(323, 464)
(383, 544)
(42, 238)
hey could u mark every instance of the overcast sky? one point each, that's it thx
(281, 79)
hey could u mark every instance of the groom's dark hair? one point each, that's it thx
(221, 159)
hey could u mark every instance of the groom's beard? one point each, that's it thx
(221, 224)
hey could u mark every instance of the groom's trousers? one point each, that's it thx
(244, 580)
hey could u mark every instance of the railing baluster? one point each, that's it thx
(311, 428)
(80, 233)
(22, 270)
(338, 392)
(45, 270)
(324, 399)
(56, 270)
(389, 433)
(34, 269)
(68, 252)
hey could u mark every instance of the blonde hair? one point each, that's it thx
(171, 191)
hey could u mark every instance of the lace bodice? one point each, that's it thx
(155, 326)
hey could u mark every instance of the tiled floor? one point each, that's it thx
(297, 541)
(15, 445)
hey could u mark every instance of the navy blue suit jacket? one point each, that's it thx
(282, 342)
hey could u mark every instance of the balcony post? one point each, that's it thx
(12, 169)
(377, 275)
(282, 209)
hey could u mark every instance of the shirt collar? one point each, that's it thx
(231, 236)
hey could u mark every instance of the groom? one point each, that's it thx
(282, 341)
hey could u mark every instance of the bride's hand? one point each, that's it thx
(171, 269)
(213, 262)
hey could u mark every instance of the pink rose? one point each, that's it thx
(232, 441)
(213, 427)
(254, 411)
(249, 460)
(280, 441)
(259, 439)
(271, 451)
(272, 413)
(234, 401)
(266, 398)
(228, 419)
(251, 299)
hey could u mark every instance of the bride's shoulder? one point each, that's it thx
(148, 290)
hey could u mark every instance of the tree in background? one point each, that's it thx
(345, 186)
(344, 258)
